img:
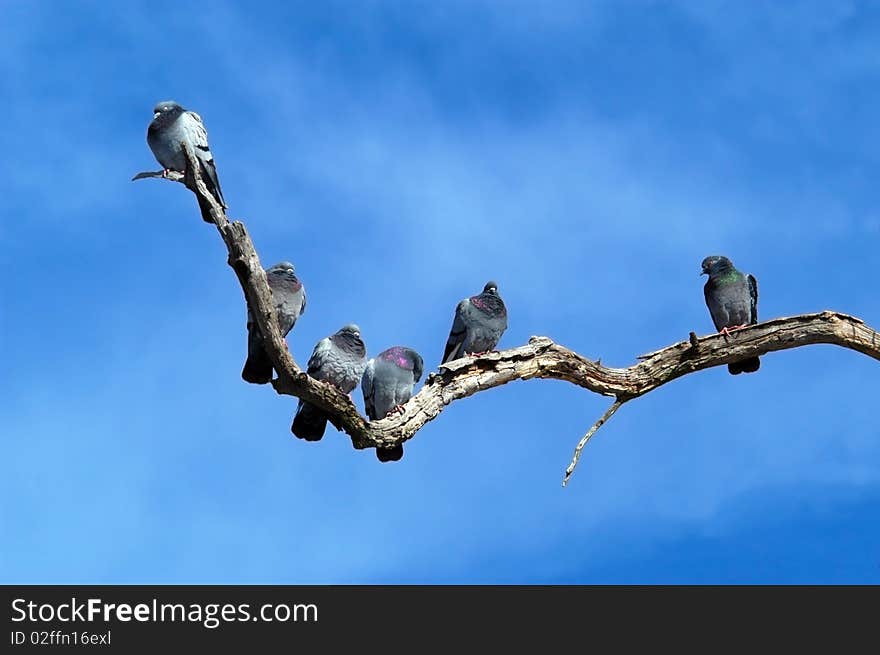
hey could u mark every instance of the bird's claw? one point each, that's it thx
(726, 330)
(397, 409)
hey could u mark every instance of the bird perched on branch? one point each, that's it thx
(171, 125)
(340, 360)
(732, 299)
(478, 324)
(387, 384)
(289, 297)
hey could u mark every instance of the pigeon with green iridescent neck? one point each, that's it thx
(478, 324)
(387, 384)
(171, 125)
(340, 360)
(732, 299)
(289, 297)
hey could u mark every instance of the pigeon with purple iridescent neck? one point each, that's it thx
(478, 324)
(171, 125)
(289, 297)
(387, 384)
(732, 299)
(340, 360)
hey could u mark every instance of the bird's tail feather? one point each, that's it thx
(257, 368)
(209, 174)
(209, 177)
(393, 454)
(205, 208)
(309, 423)
(745, 366)
(451, 351)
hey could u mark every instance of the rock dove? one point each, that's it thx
(340, 360)
(172, 124)
(388, 383)
(732, 299)
(289, 297)
(478, 324)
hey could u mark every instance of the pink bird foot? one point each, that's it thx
(397, 409)
(726, 330)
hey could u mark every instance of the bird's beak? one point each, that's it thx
(156, 114)
(702, 273)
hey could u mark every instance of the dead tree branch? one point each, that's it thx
(539, 358)
(583, 442)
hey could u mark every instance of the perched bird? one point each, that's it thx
(388, 383)
(172, 124)
(340, 360)
(732, 299)
(289, 296)
(478, 324)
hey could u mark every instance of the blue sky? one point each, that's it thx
(586, 155)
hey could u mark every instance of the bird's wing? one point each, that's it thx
(255, 337)
(418, 367)
(457, 333)
(709, 292)
(197, 136)
(323, 352)
(753, 292)
(367, 388)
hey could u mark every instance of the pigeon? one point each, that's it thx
(732, 299)
(478, 324)
(340, 360)
(289, 297)
(388, 383)
(172, 124)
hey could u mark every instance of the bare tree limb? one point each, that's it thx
(583, 442)
(539, 358)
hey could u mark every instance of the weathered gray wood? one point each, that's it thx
(539, 358)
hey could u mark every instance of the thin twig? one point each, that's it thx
(174, 176)
(583, 442)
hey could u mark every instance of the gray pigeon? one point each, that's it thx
(172, 124)
(289, 296)
(340, 360)
(732, 299)
(387, 384)
(478, 324)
